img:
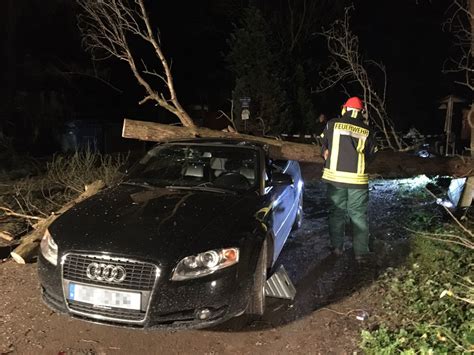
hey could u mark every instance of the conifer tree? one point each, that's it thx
(255, 64)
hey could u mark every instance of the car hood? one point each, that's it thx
(157, 224)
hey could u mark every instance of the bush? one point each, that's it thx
(65, 177)
(76, 171)
(428, 304)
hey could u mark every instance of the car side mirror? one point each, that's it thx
(279, 179)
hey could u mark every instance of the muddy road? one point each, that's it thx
(331, 292)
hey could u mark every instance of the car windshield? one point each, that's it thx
(211, 167)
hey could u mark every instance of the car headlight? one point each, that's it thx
(205, 263)
(49, 248)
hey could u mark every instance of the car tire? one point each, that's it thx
(299, 215)
(256, 305)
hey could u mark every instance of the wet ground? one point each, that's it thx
(331, 293)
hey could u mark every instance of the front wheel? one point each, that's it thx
(256, 304)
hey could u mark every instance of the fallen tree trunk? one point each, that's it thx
(385, 164)
(388, 164)
(29, 243)
(157, 132)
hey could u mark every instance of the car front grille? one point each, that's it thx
(140, 276)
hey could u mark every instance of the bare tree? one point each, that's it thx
(460, 23)
(348, 67)
(107, 28)
(302, 17)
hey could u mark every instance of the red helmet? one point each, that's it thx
(354, 102)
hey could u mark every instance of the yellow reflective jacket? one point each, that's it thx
(350, 143)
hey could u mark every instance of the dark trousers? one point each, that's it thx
(348, 203)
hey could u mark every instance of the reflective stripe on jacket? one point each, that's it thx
(349, 141)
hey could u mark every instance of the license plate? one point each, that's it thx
(104, 297)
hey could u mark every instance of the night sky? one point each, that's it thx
(409, 39)
(42, 50)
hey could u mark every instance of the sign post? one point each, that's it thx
(245, 113)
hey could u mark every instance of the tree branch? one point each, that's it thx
(348, 66)
(106, 27)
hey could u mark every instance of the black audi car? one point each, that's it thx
(187, 238)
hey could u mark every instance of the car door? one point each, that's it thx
(294, 170)
(283, 197)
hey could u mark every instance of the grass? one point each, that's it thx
(428, 305)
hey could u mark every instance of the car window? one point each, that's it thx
(221, 166)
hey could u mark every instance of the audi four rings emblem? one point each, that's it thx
(106, 272)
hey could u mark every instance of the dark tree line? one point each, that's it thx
(273, 54)
(268, 50)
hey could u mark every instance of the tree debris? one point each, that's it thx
(29, 243)
(6, 236)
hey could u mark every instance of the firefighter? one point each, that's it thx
(346, 147)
